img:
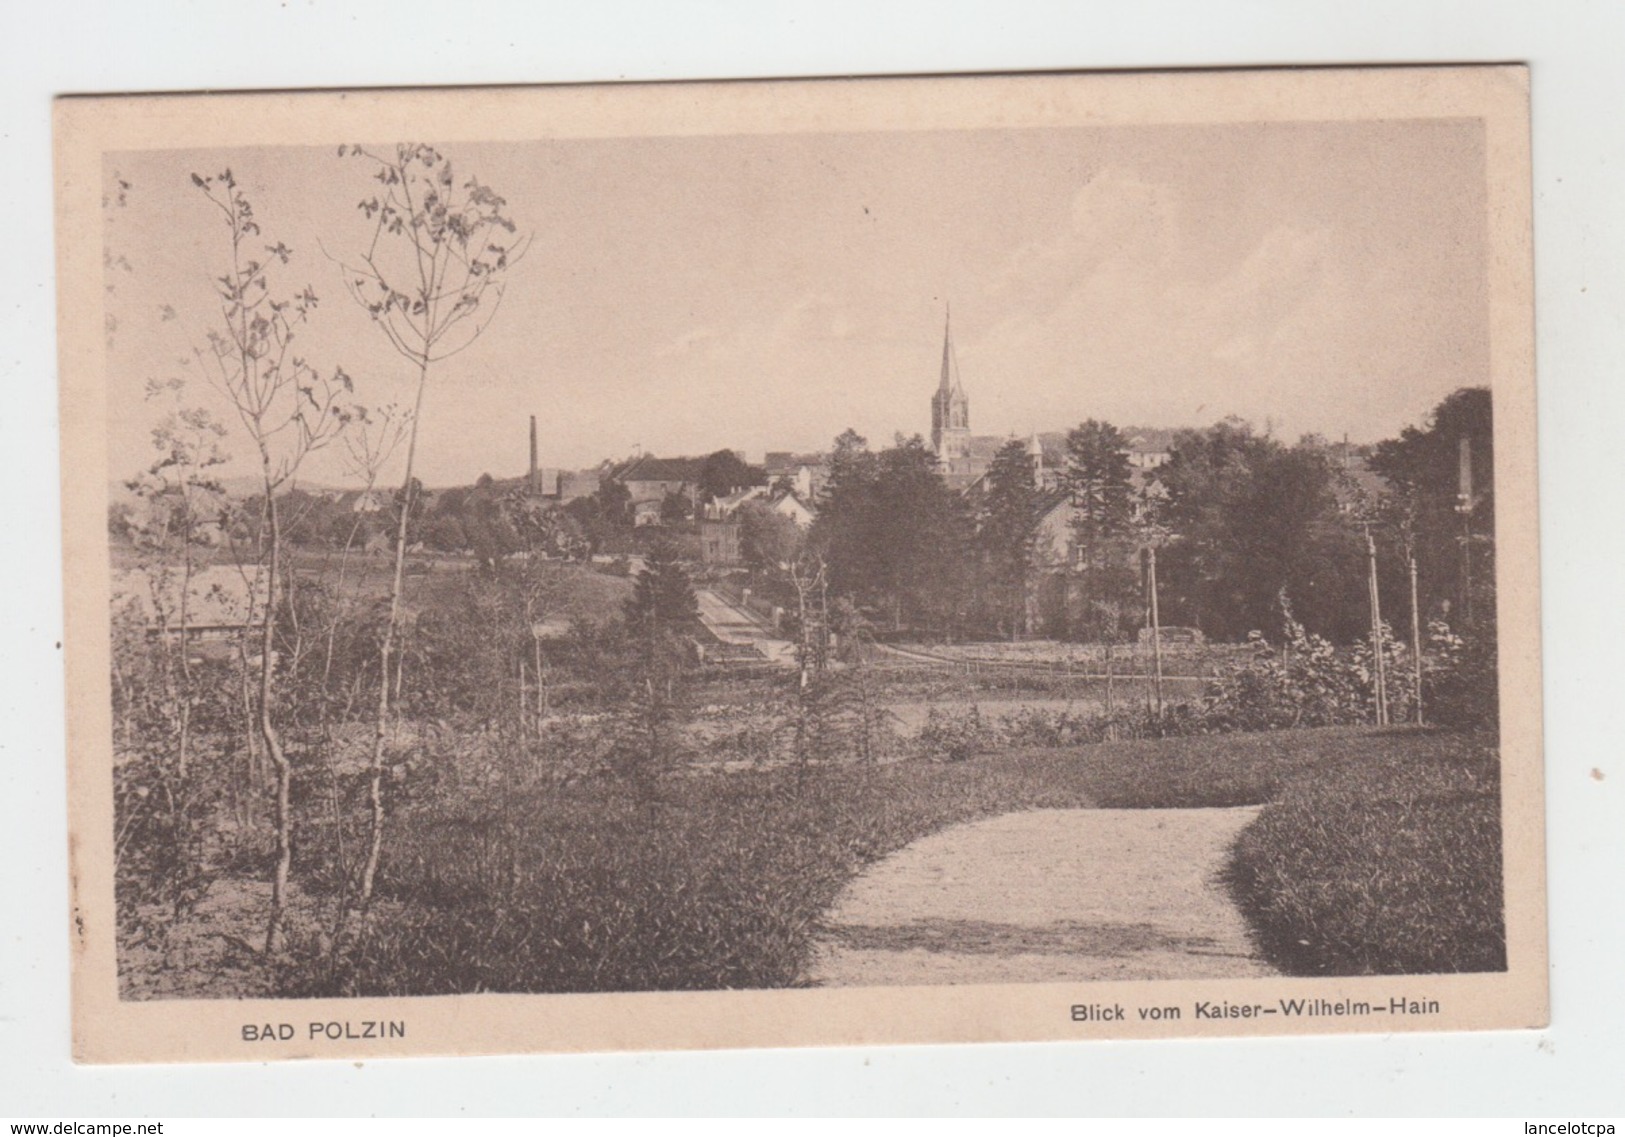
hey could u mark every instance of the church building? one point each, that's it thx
(950, 417)
(962, 456)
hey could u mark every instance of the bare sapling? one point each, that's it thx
(431, 279)
(289, 410)
(373, 438)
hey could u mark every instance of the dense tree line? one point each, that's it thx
(1250, 531)
(894, 535)
(1255, 520)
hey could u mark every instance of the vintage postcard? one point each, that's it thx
(1043, 557)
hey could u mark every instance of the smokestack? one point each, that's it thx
(533, 472)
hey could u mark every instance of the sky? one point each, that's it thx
(765, 292)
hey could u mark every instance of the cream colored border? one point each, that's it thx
(107, 1030)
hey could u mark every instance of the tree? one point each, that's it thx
(662, 595)
(443, 532)
(767, 538)
(661, 607)
(1454, 548)
(724, 472)
(674, 509)
(851, 464)
(543, 529)
(407, 507)
(372, 437)
(846, 529)
(1442, 479)
(431, 280)
(605, 516)
(289, 410)
(1005, 533)
(1255, 519)
(160, 852)
(1097, 483)
(893, 534)
(307, 518)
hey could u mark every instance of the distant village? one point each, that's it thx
(613, 510)
(665, 491)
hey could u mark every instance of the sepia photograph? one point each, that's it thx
(889, 560)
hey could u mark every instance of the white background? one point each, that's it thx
(1575, 1069)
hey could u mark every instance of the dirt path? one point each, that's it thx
(1043, 896)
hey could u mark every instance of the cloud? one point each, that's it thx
(1114, 217)
(1121, 315)
(772, 338)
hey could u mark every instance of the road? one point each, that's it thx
(1046, 895)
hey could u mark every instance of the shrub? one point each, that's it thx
(173, 829)
(955, 736)
(1384, 865)
(1379, 848)
(1460, 682)
(1308, 681)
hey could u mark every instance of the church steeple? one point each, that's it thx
(950, 362)
(950, 407)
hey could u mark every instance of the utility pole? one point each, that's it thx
(1464, 506)
(1416, 629)
(1379, 669)
(1156, 625)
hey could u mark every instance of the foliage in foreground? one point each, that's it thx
(716, 885)
(720, 882)
(1385, 866)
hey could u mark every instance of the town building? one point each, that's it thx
(550, 483)
(215, 605)
(719, 542)
(785, 500)
(722, 508)
(805, 473)
(962, 457)
(649, 481)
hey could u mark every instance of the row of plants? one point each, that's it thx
(719, 881)
(1304, 682)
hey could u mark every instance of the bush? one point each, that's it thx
(584, 888)
(1308, 681)
(953, 737)
(1460, 686)
(1383, 866)
(173, 799)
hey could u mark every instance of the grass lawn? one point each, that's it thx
(1378, 852)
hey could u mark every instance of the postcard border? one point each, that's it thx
(107, 1029)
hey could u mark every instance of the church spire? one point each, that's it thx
(950, 408)
(950, 362)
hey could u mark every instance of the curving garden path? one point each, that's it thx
(1047, 895)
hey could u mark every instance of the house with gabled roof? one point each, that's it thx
(649, 480)
(786, 501)
(217, 601)
(724, 507)
(806, 473)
